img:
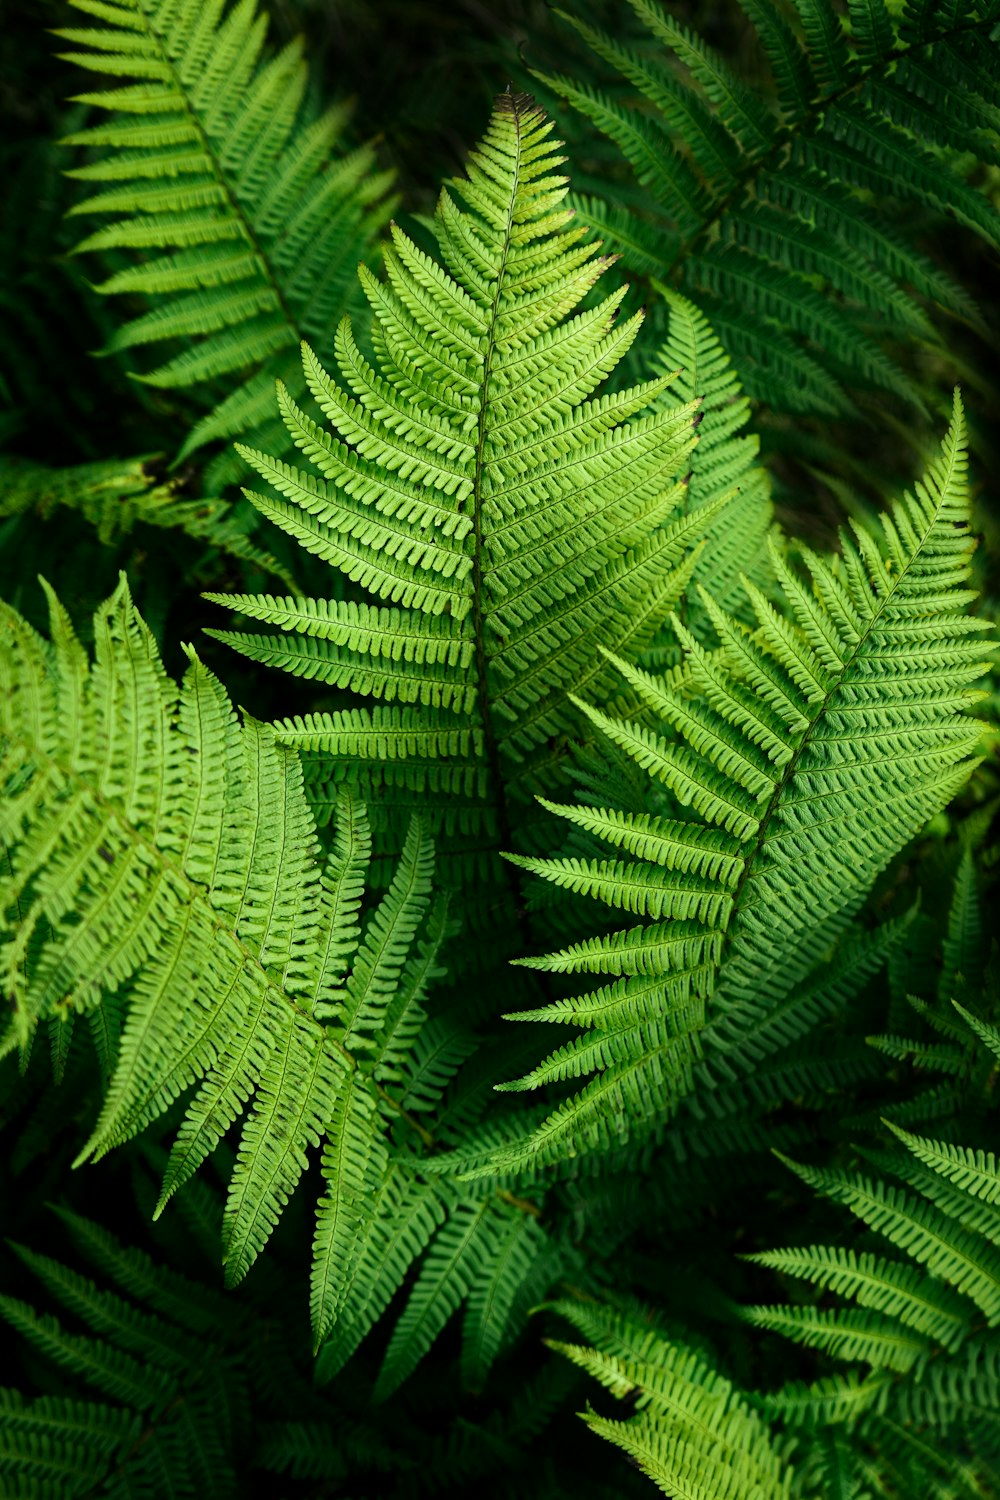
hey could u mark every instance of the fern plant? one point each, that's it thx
(909, 1305)
(694, 1433)
(183, 1403)
(540, 608)
(776, 207)
(723, 466)
(156, 1383)
(919, 1322)
(157, 849)
(245, 214)
(502, 518)
(919, 1417)
(922, 1416)
(160, 1351)
(899, 1317)
(798, 757)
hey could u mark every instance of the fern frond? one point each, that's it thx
(695, 1434)
(916, 1412)
(505, 517)
(246, 214)
(963, 949)
(960, 1258)
(807, 751)
(115, 496)
(161, 848)
(722, 464)
(214, 1411)
(889, 1287)
(774, 207)
(457, 1259)
(395, 1230)
(166, 1382)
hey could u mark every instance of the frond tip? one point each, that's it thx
(504, 517)
(792, 761)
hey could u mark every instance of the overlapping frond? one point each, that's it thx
(163, 854)
(164, 878)
(791, 763)
(949, 1045)
(776, 207)
(916, 1312)
(723, 464)
(912, 1306)
(115, 495)
(504, 518)
(244, 213)
(173, 1400)
(160, 1385)
(694, 1433)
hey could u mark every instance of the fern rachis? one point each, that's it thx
(798, 758)
(220, 170)
(504, 518)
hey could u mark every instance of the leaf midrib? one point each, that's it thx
(479, 562)
(791, 768)
(232, 201)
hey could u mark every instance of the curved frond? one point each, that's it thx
(805, 752)
(160, 848)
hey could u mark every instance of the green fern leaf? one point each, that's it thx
(889, 1287)
(457, 1257)
(247, 216)
(779, 199)
(961, 1258)
(694, 1435)
(160, 848)
(505, 517)
(115, 496)
(807, 752)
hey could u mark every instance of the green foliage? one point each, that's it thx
(920, 1319)
(503, 518)
(694, 1435)
(775, 206)
(722, 464)
(799, 756)
(531, 599)
(113, 496)
(175, 1401)
(157, 849)
(246, 214)
(193, 866)
(912, 1301)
